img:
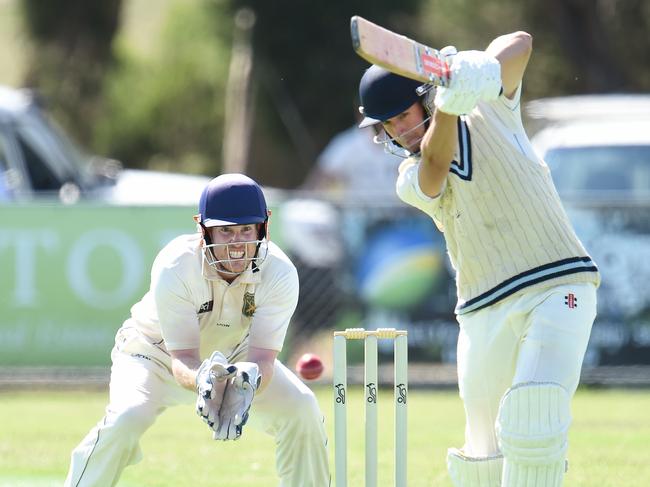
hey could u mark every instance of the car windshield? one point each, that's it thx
(41, 124)
(605, 169)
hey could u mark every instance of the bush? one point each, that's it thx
(166, 112)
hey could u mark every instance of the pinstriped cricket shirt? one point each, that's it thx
(504, 225)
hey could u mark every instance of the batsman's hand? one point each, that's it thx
(211, 380)
(237, 400)
(474, 76)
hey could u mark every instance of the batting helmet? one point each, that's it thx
(232, 199)
(384, 95)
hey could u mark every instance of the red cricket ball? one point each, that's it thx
(309, 366)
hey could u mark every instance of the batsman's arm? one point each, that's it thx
(513, 52)
(265, 360)
(437, 151)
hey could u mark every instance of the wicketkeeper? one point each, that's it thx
(209, 331)
(526, 286)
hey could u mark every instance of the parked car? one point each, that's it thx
(598, 150)
(597, 147)
(37, 160)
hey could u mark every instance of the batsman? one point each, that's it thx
(208, 332)
(526, 286)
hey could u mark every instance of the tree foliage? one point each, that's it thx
(72, 51)
(307, 75)
(167, 111)
(580, 46)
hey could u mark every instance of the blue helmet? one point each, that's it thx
(232, 199)
(384, 95)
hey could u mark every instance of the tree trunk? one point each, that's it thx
(72, 49)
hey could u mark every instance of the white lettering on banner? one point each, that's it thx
(39, 338)
(27, 245)
(77, 268)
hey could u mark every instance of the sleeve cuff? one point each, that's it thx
(420, 194)
(513, 103)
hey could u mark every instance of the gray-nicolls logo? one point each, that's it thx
(571, 301)
(372, 392)
(340, 393)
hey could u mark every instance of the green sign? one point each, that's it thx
(70, 274)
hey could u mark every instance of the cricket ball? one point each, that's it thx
(309, 366)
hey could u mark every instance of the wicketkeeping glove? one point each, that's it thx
(212, 371)
(237, 400)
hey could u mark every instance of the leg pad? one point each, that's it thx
(532, 428)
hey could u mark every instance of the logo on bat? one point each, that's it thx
(433, 64)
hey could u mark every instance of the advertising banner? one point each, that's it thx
(69, 275)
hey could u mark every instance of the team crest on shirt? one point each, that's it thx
(248, 309)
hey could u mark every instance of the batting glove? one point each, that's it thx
(475, 75)
(237, 400)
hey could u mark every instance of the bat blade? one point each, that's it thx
(398, 53)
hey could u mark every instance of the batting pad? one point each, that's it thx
(532, 428)
(472, 471)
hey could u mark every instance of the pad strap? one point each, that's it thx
(474, 471)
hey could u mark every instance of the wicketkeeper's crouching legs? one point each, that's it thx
(111, 445)
(141, 389)
(138, 394)
(288, 410)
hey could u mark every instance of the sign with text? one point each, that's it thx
(70, 274)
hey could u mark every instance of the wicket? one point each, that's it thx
(371, 382)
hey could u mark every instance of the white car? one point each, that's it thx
(37, 160)
(597, 146)
(598, 151)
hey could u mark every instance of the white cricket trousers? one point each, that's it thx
(141, 389)
(539, 336)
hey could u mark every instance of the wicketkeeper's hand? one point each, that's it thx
(210, 384)
(237, 400)
(474, 76)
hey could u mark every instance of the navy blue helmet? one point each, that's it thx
(384, 95)
(232, 199)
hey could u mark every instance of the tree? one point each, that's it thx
(306, 77)
(604, 43)
(580, 46)
(72, 50)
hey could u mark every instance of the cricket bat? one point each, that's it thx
(398, 53)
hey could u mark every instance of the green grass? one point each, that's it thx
(609, 442)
